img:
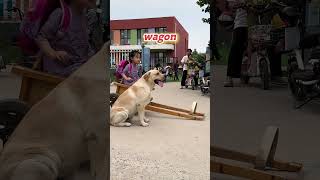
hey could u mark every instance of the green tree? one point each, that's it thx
(199, 57)
(205, 7)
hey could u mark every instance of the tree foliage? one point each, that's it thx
(199, 57)
(205, 7)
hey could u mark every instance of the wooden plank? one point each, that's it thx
(237, 171)
(173, 113)
(27, 72)
(121, 85)
(286, 166)
(247, 158)
(174, 108)
(24, 89)
(230, 154)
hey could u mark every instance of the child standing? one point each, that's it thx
(132, 72)
(64, 51)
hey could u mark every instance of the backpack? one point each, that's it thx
(120, 68)
(35, 19)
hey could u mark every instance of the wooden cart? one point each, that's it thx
(35, 85)
(190, 114)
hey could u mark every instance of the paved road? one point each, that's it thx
(170, 148)
(241, 115)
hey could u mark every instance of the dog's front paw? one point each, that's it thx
(144, 124)
(146, 120)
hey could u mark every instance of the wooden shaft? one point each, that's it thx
(24, 89)
(237, 171)
(233, 155)
(242, 157)
(27, 72)
(173, 113)
(174, 108)
(286, 166)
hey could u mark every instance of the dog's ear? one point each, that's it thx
(147, 76)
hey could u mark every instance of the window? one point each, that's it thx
(159, 58)
(139, 41)
(161, 30)
(125, 37)
(313, 17)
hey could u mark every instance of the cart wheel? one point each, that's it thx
(298, 91)
(193, 84)
(265, 76)
(113, 98)
(12, 112)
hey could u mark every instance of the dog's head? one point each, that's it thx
(154, 77)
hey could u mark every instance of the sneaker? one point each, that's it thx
(181, 87)
(228, 83)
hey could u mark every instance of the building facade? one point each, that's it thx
(127, 35)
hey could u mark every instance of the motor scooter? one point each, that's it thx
(304, 78)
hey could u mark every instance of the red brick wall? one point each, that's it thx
(168, 22)
(183, 43)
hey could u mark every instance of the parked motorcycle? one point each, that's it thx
(304, 78)
(205, 85)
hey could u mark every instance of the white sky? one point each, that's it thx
(187, 12)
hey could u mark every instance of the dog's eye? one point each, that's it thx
(158, 73)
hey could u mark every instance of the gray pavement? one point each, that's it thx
(241, 115)
(170, 148)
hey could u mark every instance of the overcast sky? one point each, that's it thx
(187, 12)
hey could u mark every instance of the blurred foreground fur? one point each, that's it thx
(64, 130)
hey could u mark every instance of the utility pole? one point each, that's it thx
(143, 58)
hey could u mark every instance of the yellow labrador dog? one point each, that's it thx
(135, 99)
(65, 129)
